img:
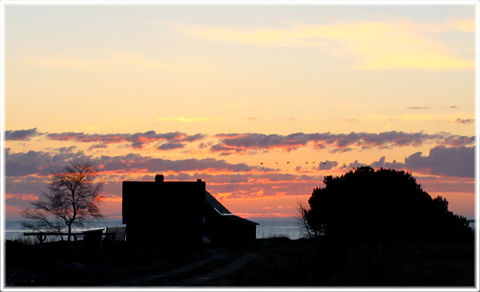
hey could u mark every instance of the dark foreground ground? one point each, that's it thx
(268, 262)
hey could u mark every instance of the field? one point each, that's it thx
(265, 263)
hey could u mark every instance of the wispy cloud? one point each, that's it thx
(460, 25)
(417, 107)
(464, 121)
(376, 45)
(419, 115)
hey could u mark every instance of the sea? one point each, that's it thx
(268, 228)
(288, 227)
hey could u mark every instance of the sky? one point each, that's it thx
(260, 101)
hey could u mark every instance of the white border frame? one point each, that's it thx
(4, 3)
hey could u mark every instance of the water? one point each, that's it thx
(14, 229)
(268, 228)
(279, 227)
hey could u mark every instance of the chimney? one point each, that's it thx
(199, 180)
(159, 178)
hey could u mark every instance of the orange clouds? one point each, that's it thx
(252, 186)
(111, 199)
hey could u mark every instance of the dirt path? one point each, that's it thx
(217, 273)
(164, 276)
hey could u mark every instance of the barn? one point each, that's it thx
(179, 211)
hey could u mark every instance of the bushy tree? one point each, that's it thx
(71, 200)
(381, 205)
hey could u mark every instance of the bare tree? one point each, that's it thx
(71, 200)
(302, 218)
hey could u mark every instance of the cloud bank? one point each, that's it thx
(243, 142)
(22, 135)
(240, 143)
(136, 140)
(449, 165)
(456, 162)
(41, 163)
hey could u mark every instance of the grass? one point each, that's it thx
(281, 262)
(24, 240)
(408, 265)
(286, 263)
(192, 273)
(309, 264)
(70, 264)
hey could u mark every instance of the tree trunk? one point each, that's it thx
(69, 231)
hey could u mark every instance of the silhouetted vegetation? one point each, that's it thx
(72, 264)
(71, 200)
(277, 262)
(384, 205)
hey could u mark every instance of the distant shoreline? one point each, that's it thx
(268, 227)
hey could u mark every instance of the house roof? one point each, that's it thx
(222, 211)
(241, 220)
(216, 205)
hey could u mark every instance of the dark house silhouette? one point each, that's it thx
(179, 210)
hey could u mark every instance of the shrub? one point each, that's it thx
(381, 205)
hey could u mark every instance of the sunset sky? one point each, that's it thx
(259, 101)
